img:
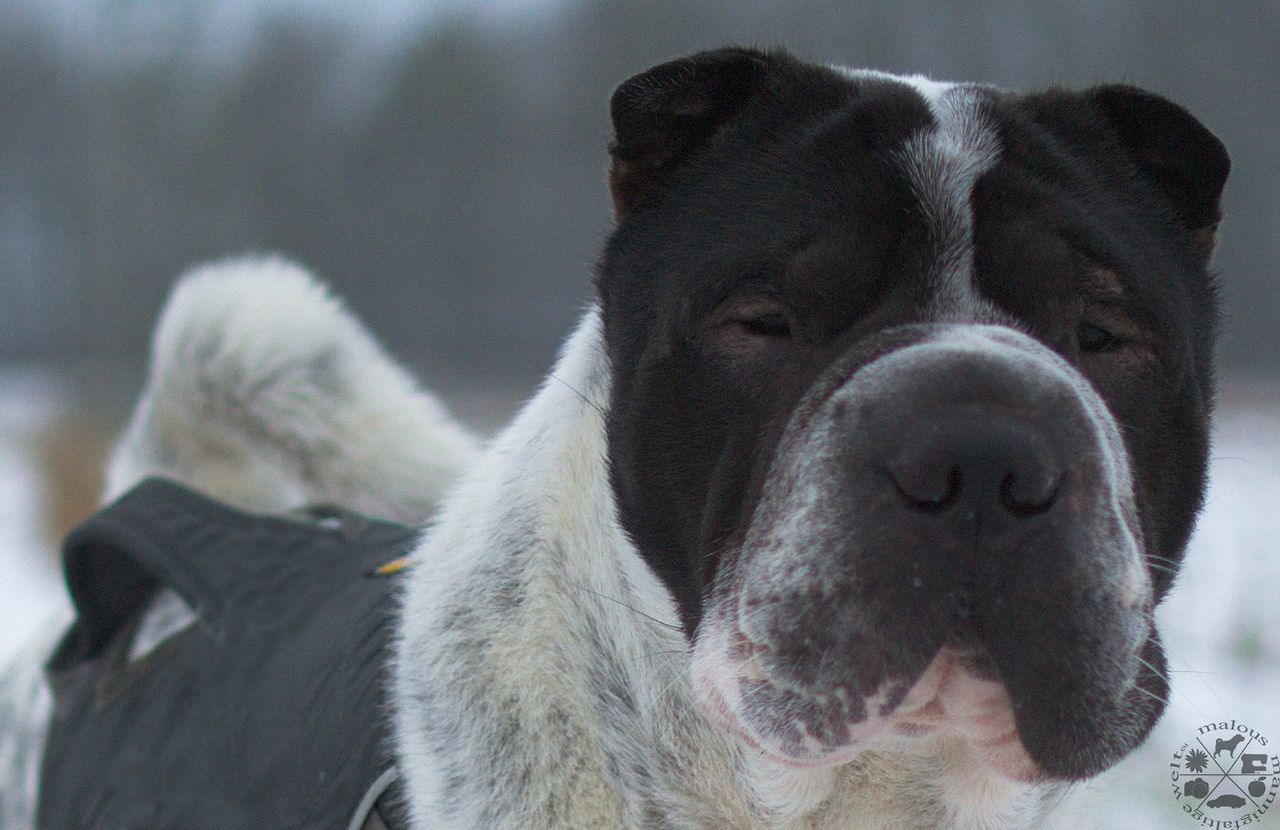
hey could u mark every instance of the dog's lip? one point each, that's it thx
(834, 758)
(949, 698)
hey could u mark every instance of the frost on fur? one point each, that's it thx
(265, 391)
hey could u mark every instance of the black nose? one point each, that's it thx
(975, 457)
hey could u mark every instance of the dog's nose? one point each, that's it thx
(976, 458)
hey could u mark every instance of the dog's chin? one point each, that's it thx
(949, 705)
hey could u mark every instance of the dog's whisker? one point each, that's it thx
(577, 392)
(666, 653)
(650, 617)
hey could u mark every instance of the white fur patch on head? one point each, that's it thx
(944, 163)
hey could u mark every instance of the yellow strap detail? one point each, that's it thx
(394, 566)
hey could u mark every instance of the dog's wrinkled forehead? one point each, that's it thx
(726, 162)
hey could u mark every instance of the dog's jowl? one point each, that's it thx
(849, 501)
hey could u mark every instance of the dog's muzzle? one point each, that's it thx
(945, 544)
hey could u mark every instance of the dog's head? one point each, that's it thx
(910, 398)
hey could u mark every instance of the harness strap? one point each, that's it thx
(369, 815)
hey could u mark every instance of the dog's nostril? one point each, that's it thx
(1028, 495)
(926, 490)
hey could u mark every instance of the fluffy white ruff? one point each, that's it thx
(265, 392)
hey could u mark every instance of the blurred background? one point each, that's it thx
(442, 165)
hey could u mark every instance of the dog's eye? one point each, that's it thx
(751, 323)
(1096, 339)
(771, 324)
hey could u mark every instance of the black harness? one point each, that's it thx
(269, 711)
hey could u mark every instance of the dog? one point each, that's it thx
(847, 503)
(1228, 745)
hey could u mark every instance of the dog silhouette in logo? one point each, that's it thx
(1229, 746)
(1227, 800)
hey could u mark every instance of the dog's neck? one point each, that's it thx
(541, 677)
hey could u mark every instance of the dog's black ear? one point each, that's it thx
(662, 114)
(1186, 161)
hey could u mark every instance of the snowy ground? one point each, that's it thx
(1221, 625)
(30, 586)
